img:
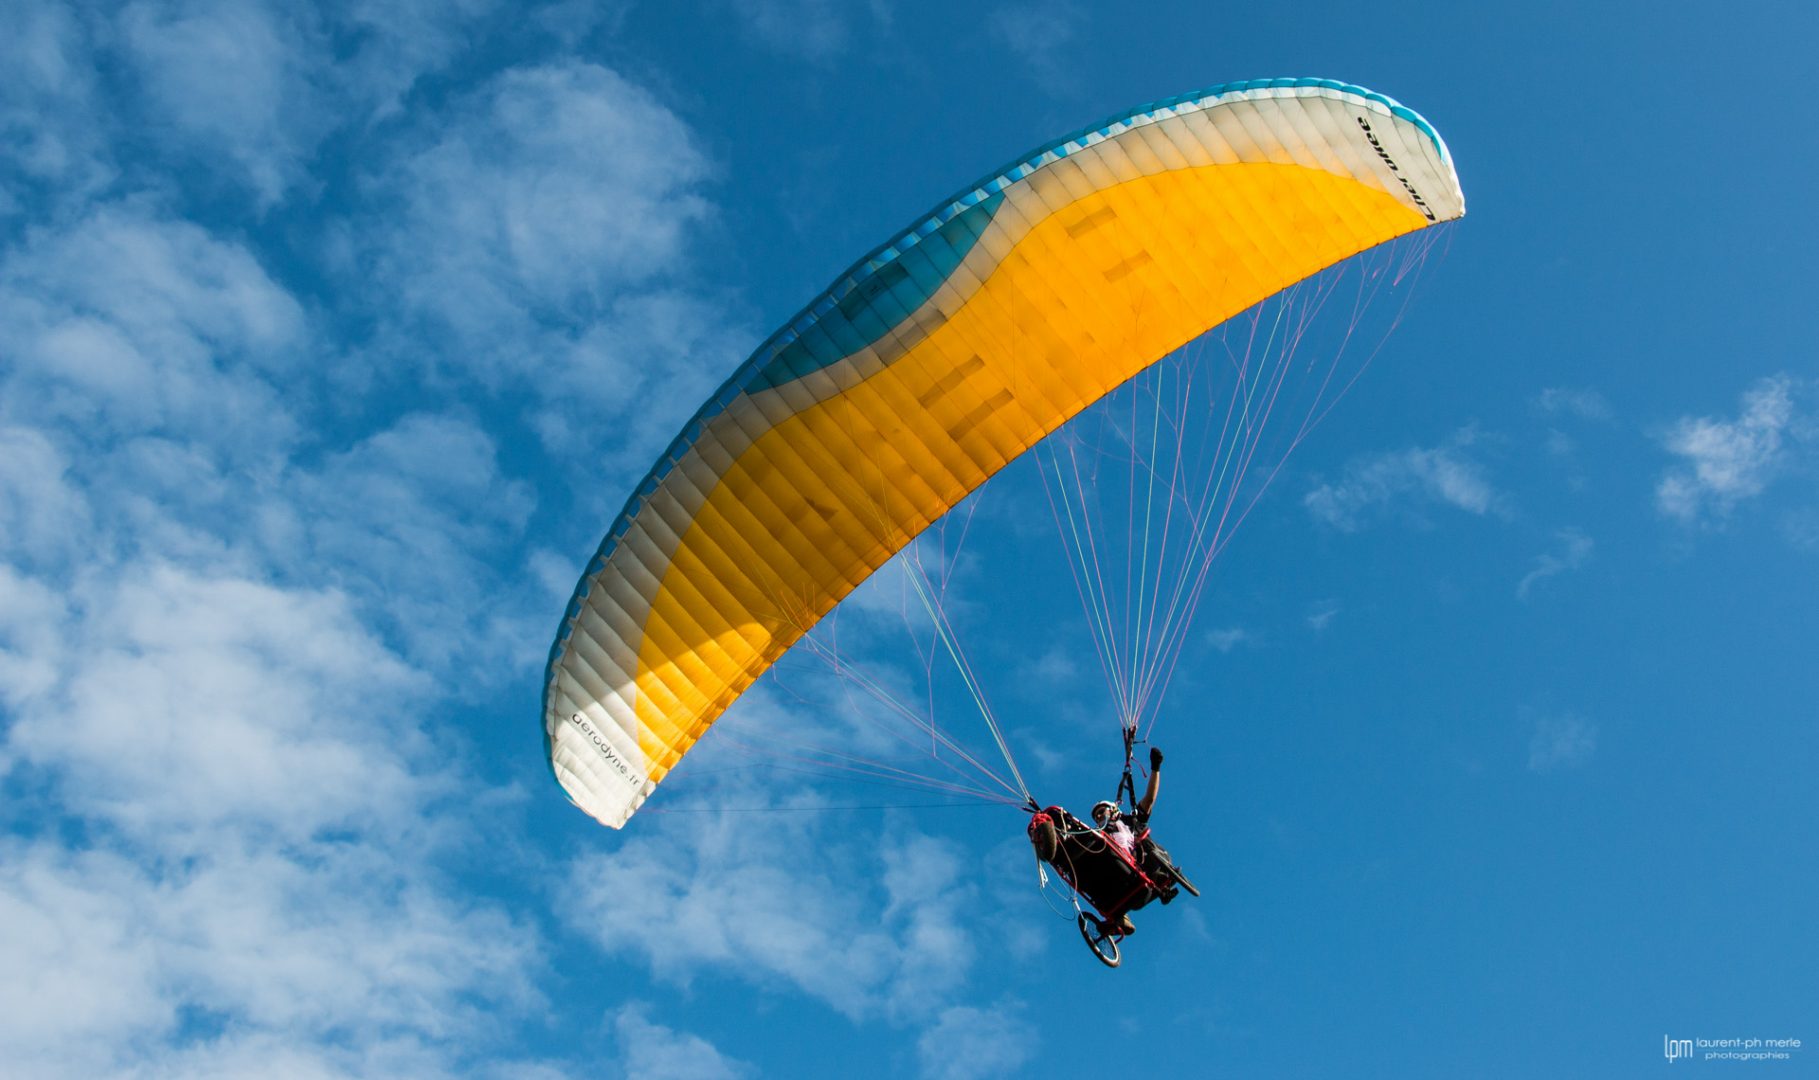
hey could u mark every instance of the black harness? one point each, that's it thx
(1127, 788)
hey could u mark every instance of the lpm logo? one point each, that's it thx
(1675, 1049)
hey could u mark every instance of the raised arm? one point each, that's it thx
(1148, 802)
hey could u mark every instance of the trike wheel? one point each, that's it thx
(1103, 944)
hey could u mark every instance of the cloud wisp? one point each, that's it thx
(654, 1051)
(201, 97)
(1581, 403)
(1562, 742)
(1229, 638)
(969, 1043)
(1574, 552)
(1726, 462)
(818, 31)
(1039, 36)
(1373, 485)
(716, 895)
(534, 263)
(261, 811)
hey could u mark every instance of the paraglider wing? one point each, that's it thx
(934, 362)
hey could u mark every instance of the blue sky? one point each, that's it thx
(332, 337)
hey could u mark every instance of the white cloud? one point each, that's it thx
(654, 1051)
(399, 41)
(259, 86)
(193, 679)
(340, 942)
(549, 193)
(888, 611)
(1580, 402)
(337, 960)
(241, 92)
(1039, 35)
(263, 805)
(39, 511)
(1322, 615)
(1054, 667)
(412, 513)
(1229, 638)
(1802, 529)
(1575, 550)
(234, 80)
(263, 808)
(880, 924)
(48, 88)
(159, 280)
(1728, 461)
(235, 607)
(82, 970)
(1442, 474)
(639, 371)
(864, 922)
(864, 715)
(811, 29)
(32, 618)
(149, 355)
(187, 700)
(968, 1043)
(1562, 742)
(1559, 444)
(1573, 404)
(571, 24)
(126, 322)
(536, 240)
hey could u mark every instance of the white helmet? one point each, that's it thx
(1108, 806)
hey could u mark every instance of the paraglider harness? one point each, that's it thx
(1111, 880)
(1127, 788)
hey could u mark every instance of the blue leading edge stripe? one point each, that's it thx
(899, 287)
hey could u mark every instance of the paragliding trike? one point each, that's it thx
(1111, 880)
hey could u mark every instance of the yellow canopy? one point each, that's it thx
(935, 361)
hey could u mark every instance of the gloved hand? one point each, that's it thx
(1155, 759)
